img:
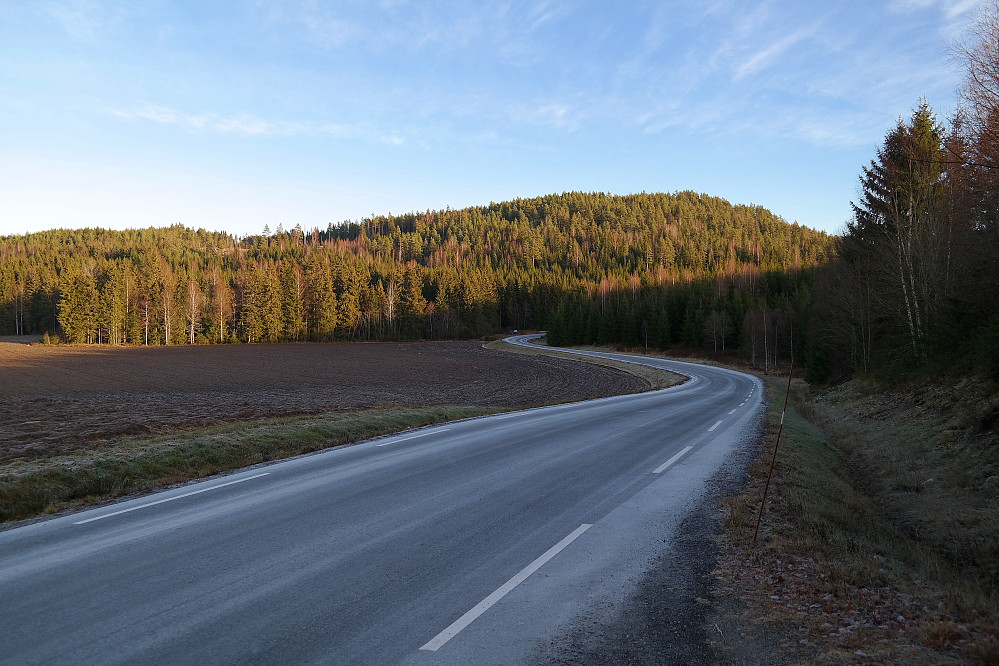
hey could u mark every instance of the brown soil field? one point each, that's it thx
(57, 399)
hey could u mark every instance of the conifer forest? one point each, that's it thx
(648, 269)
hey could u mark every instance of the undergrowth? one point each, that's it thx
(880, 539)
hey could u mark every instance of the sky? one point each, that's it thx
(230, 116)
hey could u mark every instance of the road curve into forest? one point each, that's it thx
(472, 542)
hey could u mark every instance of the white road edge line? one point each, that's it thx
(666, 465)
(170, 499)
(440, 639)
(714, 426)
(422, 434)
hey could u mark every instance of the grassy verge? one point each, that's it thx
(655, 377)
(878, 542)
(30, 488)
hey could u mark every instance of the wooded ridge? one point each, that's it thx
(655, 269)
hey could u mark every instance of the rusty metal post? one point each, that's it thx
(773, 461)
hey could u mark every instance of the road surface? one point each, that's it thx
(471, 542)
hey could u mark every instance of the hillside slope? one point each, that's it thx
(438, 274)
(879, 543)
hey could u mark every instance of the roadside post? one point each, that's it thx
(773, 461)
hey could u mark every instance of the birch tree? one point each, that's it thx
(897, 226)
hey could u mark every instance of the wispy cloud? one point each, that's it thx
(391, 140)
(949, 8)
(249, 125)
(822, 77)
(323, 26)
(508, 28)
(553, 114)
(953, 15)
(544, 12)
(241, 123)
(542, 113)
(772, 53)
(83, 20)
(386, 27)
(853, 130)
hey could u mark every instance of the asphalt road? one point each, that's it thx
(472, 542)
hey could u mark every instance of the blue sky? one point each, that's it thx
(232, 115)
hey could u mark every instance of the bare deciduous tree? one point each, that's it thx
(979, 53)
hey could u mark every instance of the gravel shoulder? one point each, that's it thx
(671, 616)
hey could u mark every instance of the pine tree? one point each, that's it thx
(347, 287)
(412, 304)
(78, 308)
(262, 306)
(292, 293)
(898, 222)
(322, 305)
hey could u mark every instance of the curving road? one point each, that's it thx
(472, 542)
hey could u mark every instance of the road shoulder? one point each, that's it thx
(674, 614)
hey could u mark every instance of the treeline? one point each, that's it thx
(647, 260)
(916, 286)
(758, 315)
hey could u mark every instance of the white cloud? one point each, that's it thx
(241, 123)
(553, 113)
(767, 56)
(950, 8)
(955, 14)
(393, 140)
(855, 129)
(322, 26)
(820, 78)
(83, 20)
(546, 11)
(546, 114)
(249, 125)
(704, 117)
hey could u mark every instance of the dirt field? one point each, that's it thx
(57, 399)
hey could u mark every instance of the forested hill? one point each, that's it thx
(650, 268)
(591, 236)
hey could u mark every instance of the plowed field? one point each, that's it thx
(56, 399)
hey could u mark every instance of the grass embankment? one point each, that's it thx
(881, 538)
(47, 485)
(655, 377)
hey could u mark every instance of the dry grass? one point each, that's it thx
(922, 454)
(879, 541)
(47, 485)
